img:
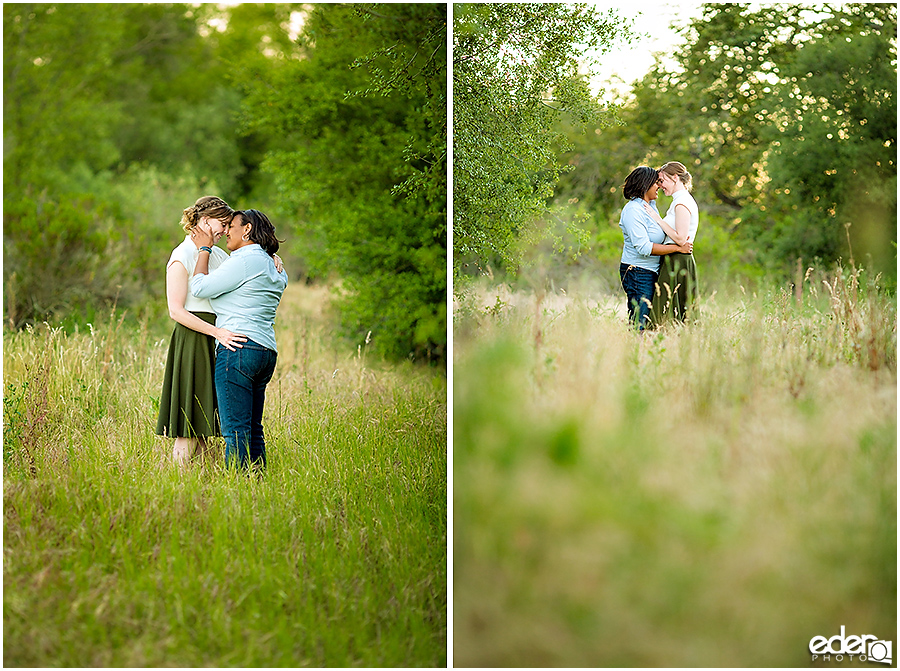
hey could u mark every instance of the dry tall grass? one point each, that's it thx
(115, 557)
(710, 495)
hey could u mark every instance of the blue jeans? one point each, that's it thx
(638, 285)
(241, 379)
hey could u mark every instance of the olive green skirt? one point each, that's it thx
(676, 290)
(187, 405)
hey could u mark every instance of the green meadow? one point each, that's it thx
(113, 556)
(709, 495)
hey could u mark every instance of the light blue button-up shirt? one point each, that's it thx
(640, 233)
(244, 292)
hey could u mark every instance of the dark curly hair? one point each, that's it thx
(639, 181)
(262, 231)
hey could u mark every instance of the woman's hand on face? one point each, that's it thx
(230, 340)
(653, 213)
(202, 235)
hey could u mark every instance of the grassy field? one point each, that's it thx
(112, 556)
(713, 495)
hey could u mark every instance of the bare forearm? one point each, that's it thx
(202, 265)
(192, 321)
(679, 238)
(663, 250)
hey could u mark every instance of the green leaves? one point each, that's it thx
(361, 163)
(516, 73)
(341, 134)
(786, 117)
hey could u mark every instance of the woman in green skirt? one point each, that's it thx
(187, 405)
(676, 291)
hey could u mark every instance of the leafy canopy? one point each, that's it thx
(786, 117)
(361, 163)
(516, 71)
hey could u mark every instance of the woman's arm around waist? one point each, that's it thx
(176, 295)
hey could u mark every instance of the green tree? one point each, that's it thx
(58, 110)
(786, 116)
(255, 39)
(61, 117)
(105, 106)
(516, 72)
(361, 164)
(834, 140)
(89, 88)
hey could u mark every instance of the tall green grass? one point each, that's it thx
(711, 495)
(113, 556)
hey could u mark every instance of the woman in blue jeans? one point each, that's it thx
(642, 246)
(244, 292)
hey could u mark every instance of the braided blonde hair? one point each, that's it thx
(207, 206)
(676, 169)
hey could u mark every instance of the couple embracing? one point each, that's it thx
(229, 299)
(658, 272)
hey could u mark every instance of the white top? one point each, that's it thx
(683, 197)
(186, 253)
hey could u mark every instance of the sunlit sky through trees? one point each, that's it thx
(656, 25)
(653, 22)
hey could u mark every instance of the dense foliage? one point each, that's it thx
(361, 161)
(786, 116)
(116, 117)
(516, 73)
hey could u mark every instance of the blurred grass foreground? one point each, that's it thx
(713, 495)
(114, 557)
